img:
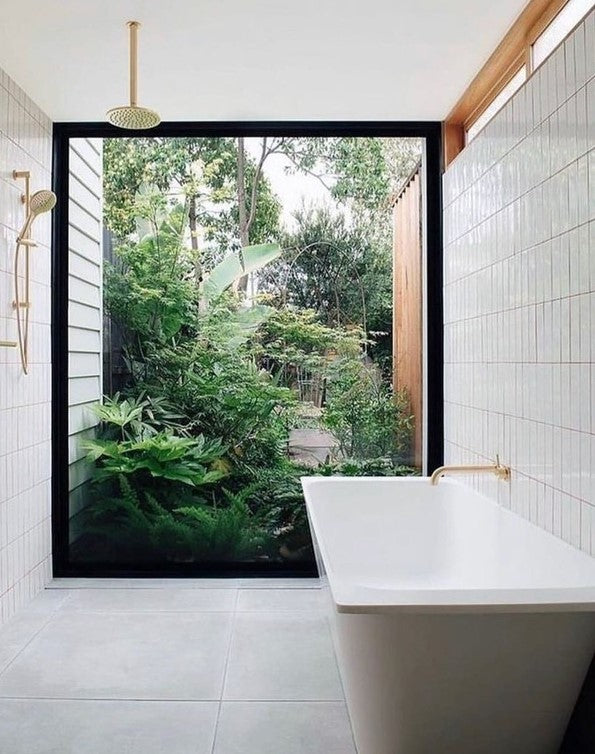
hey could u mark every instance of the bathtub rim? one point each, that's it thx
(353, 598)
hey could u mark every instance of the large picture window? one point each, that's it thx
(239, 306)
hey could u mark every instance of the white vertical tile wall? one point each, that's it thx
(519, 274)
(25, 417)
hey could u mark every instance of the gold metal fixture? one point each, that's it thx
(502, 472)
(8, 344)
(35, 204)
(133, 116)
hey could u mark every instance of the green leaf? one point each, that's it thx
(238, 264)
(97, 449)
(245, 322)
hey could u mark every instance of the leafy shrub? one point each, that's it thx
(369, 467)
(135, 418)
(133, 526)
(224, 392)
(228, 531)
(277, 499)
(275, 495)
(365, 416)
(297, 337)
(160, 457)
(149, 290)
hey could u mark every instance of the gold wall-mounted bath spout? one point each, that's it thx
(502, 472)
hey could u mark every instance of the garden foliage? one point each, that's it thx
(191, 460)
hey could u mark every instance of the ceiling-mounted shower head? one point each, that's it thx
(133, 116)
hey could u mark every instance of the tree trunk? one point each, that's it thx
(198, 266)
(244, 229)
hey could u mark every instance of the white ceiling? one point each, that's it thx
(252, 59)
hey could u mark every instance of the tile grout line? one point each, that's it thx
(51, 617)
(173, 700)
(145, 611)
(116, 699)
(228, 655)
(313, 700)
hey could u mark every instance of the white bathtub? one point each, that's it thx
(459, 627)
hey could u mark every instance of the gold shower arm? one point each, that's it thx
(133, 26)
(132, 116)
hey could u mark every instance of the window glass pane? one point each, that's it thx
(243, 311)
(559, 28)
(497, 103)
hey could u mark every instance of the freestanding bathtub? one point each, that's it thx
(459, 627)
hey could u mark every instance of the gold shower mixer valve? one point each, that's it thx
(26, 175)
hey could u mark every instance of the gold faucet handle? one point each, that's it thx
(503, 472)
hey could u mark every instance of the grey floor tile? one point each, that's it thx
(173, 583)
(35, 726)
(280, 583)
(153, 600)
(271, 600)
(17, 633)
(214, 583)
(123, 656)
(288, 727)
(47, 602)
(81, 583)
(281, 656)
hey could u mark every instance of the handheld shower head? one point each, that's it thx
(35, 204)
(40, 202)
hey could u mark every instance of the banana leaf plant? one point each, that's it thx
(236, 265)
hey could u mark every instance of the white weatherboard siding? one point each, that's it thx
(25, 415)
(519, 295)
(84, 306)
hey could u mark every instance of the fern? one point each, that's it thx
(174, 538)
(225, 532)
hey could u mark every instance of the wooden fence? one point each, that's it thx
(408, 301)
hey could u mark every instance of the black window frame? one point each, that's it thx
(430, 131)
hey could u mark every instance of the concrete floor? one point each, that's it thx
(176, 666)
(311, 447)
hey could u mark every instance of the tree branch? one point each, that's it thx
(257, 173)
